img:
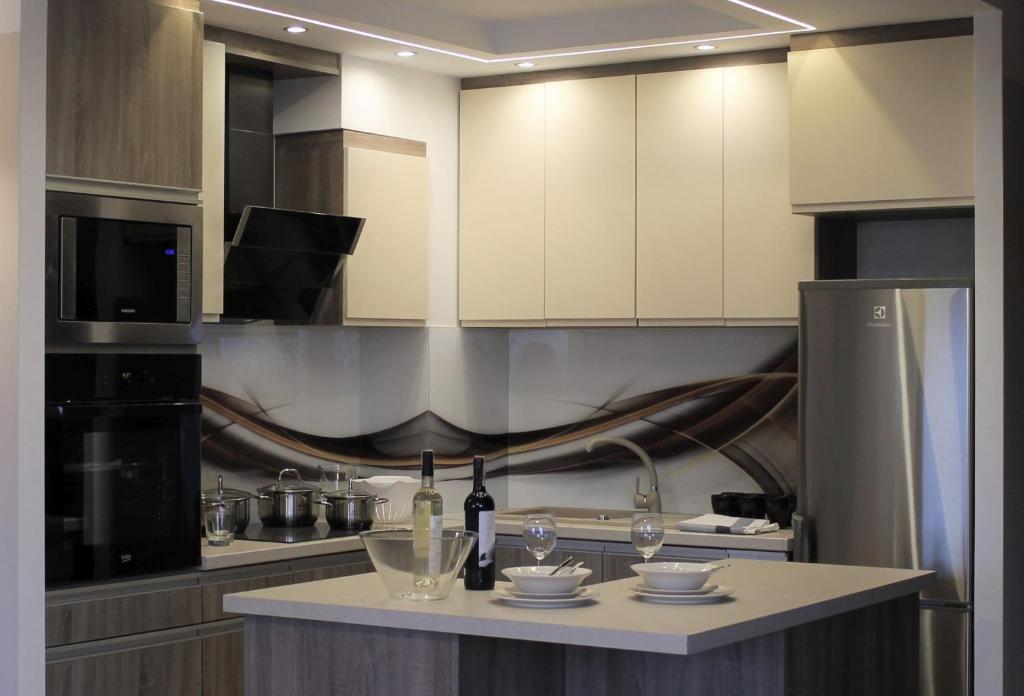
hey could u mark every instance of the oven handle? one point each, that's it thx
(122, 408)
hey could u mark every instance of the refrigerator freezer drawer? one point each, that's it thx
(945, 652)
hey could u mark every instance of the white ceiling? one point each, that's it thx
(480, 37)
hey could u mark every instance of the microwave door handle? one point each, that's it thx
(68, 268)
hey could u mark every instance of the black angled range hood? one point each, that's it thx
(285, 265)
(282, 265)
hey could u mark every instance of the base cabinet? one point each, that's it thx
(168, 669)
(104, 640)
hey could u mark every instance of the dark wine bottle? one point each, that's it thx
(480, 518)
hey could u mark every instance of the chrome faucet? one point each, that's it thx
(650, 501)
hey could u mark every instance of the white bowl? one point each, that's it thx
(399, 491)
(674, 576)
(537, 579)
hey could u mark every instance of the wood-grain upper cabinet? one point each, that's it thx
(384, 180)
(501, 206)
(767, 249)
(882, 126)
(385, 280)
(679, 197)
(124, 92)
(590, 201)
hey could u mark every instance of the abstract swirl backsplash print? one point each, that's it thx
(715, 408)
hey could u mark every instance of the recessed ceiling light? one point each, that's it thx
(705, 47)
(525, 64)
(406, 54)
(296, 29)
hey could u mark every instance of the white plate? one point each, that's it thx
(721, 593)
(584, 597)
(544, 595)
(642, 588)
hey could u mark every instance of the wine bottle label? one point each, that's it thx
(485, 545)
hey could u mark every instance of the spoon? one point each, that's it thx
(561, 565)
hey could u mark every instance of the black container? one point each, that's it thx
(752, 505)
(780, 508)
(726, 504)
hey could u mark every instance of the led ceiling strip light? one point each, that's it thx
(799, 27)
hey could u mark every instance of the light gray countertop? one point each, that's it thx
(243, 552)
(768, 597)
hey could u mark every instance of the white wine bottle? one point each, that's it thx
(427, 523)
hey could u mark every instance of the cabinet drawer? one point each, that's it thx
(171, 668)
(335, 571)
(213, 594)
(107, 617)
(224, 663)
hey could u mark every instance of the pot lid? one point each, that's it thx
(295, 486)
(348, 494)
(222, 494)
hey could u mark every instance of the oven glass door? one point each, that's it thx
(124, 271)
(122, 490)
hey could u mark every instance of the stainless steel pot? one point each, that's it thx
(288, 503)
(231, 497)
(349, 510)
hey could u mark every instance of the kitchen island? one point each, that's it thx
(789, 629)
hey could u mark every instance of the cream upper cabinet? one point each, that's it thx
(212, 196)
(590, 201)
(882, 126)
(385, 280)
(768, 249)
(679, 198)
(501, 206)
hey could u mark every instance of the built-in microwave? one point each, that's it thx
(122, 271)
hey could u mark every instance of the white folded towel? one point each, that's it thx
(723, 524)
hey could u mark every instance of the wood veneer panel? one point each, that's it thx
(312, 60)
(224, 664)
(213, 595)
(173, 669)
(124, 92)
(76, 622)
(883, 34)
(286, 656)
(309, 172)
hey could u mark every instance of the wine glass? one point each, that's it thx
(540, 534)
(647, 533)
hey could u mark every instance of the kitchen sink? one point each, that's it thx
(571, 513)
(598, 516)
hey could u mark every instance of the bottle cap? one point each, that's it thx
(427, 462)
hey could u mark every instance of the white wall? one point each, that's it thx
(988, 341)
(22, 79)
(404, 103)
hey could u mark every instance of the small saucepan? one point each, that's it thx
(288, 503)
(349, 510)
(237, 499)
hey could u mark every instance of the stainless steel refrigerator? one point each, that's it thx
(886, 446)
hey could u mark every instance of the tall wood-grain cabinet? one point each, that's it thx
(124, 97)
(882, 126)
(590, 201)
(384, 180)
(679, 198)
(767, 249)
(501, 206)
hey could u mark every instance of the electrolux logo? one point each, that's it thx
(878, 316)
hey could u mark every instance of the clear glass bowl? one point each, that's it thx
(406, 577)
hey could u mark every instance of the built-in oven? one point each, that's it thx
(122, 465)
(122, 271)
